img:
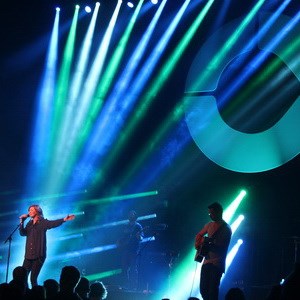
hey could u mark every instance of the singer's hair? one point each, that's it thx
(38, 209)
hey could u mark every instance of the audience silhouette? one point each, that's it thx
(83, 288)
(72, 286)
(51, 287)
(37, 292)
(18, 285)
(69, 278)
(97, 291)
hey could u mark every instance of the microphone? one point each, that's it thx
(24, 217)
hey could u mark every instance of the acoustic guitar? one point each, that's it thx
(203, 249)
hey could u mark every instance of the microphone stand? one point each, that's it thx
(9, 239)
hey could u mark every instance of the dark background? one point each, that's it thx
(190, 182)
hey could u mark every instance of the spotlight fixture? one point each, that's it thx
(130, 4)
(154, 1)
(88, 9)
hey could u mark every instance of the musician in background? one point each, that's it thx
(129, 245)
(35, 232)
(215, 235)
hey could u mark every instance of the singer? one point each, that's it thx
(36, 242)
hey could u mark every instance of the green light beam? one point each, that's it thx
(111, 70)
(121, 197)
(205, 76)
(75, 87)
(99, 276)
(156, 86)
(178, 112)
(163, 75)
(61, 93)
(67, 161)
(43, 115)
(286, 54)
(103, 87)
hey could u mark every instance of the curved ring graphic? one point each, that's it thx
(227, 147)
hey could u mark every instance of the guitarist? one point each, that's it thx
(218, 233)
(129, 245)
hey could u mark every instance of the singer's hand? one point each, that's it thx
(69, 218)
(23, 217)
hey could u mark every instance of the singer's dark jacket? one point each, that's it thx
(36, 241)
